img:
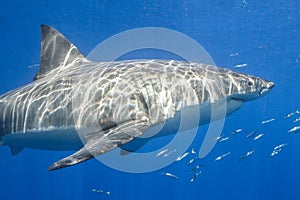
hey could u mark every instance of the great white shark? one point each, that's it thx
(94, 107)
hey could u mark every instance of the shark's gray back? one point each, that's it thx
(110, 90)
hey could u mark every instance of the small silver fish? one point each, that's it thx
(292, 114)
(33, 66)
(218, 138)
(182, 156)
(195, 168)
(195, 176)
(262, 46)
(258, 136)
(240, 65)
(277, 149)
(280, 146)
(275, 152)
(251, 134)
(192, 160)
(249, 153)
(161, 152)
(267, 121)
(223, 139)
(169, 153)
(170, 175)
(101, 192)
(295, 129)
(296, 120)
(193, 151)
(233, 54)
(222, 156)
(236, 131)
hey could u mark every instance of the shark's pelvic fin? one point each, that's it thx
(133, 146)
(14, 150)
(56, 51)
(99, 143)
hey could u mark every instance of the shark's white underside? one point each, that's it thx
(71, 139)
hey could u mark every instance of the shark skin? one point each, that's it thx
(92, 108)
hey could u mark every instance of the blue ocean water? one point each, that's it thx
(265, 34)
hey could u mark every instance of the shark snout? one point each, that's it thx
(270, 85)
(267, 88)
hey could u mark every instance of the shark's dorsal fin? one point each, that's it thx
(56, 51)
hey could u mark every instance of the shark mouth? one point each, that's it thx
(266, 89)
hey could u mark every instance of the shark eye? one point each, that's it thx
(250, 83)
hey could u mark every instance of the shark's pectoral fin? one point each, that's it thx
(99, 143)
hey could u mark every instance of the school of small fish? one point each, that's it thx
(193, 161)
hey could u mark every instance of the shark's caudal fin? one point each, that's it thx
(56, 51)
